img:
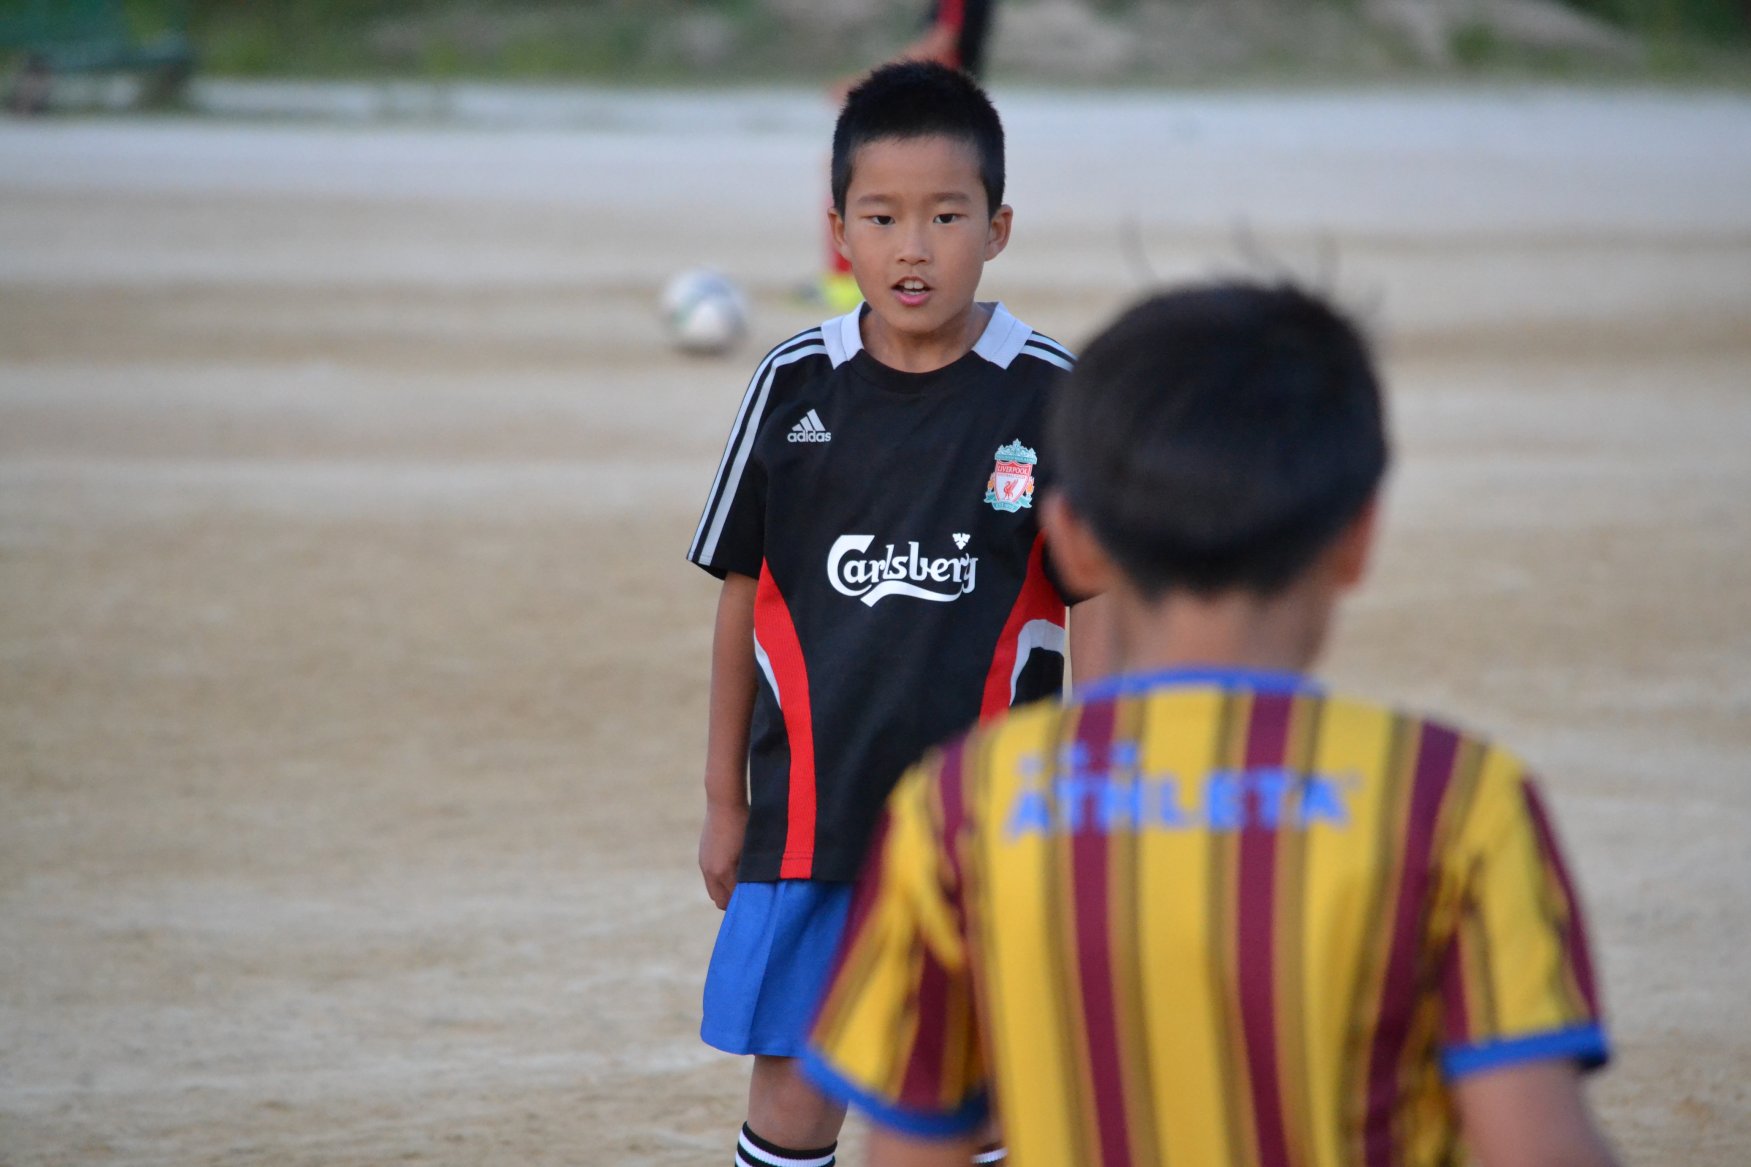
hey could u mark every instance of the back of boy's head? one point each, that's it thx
(1220, 437)
(918, 99)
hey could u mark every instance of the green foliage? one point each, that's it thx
(541, 39)
(718, 40)
(1675, 20)
(29, 21)
(1476, 45)
(1479, 48)
(1681, 37)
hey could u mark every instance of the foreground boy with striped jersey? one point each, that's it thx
(1211, 912)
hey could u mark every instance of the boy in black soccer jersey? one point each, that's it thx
(884, 576)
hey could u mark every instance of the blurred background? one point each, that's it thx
(1086, 42)
(352, 681)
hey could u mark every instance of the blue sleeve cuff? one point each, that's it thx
(924, 1124)
(1584, 1044)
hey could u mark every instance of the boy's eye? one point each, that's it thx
(881, 220)
(949, 217)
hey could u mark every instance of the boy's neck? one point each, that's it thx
(1235, 629)
(910, 352)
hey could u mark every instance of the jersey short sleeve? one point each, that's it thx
(896, 1034)
(1517, 973)
(732, 529)
(739, 536)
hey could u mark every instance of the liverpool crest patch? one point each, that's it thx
(1011, 486)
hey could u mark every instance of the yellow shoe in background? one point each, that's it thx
(839, 292)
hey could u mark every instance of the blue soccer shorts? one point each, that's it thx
(769, 967)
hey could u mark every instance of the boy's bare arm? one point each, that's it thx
(1531, 1115)
(890, 1149)
(726, 738)
(936, 43)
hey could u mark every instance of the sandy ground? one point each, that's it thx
(352, 682)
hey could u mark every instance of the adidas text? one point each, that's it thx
(809, 429)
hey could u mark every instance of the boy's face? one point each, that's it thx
(917, 231)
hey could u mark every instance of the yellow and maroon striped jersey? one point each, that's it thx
(1206, 917)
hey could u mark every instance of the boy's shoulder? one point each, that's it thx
(796, 349)
(799, 364)
(1010, 343)
(1007, 341)
(1397, 741)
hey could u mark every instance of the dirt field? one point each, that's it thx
(351, 678)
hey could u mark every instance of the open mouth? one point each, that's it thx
(912, 289)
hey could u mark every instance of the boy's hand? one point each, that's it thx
(720, 850)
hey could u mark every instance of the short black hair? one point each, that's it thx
(918, 99)
(1219, 436)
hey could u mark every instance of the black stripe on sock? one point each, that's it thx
(778, 1155)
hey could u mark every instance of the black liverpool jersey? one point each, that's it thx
(903, 589)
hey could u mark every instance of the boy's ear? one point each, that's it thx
(1355, 544)
(836, 225)
(1082, 563)
(997, 235)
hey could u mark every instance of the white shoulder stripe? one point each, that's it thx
(729, 477)
(1044, 341)
(1050, 356)
(748, 395)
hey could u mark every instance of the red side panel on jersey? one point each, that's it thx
(1037, 600)
(776, 633)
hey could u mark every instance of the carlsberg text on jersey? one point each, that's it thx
(896, 573)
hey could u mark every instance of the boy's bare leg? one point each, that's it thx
(784, 1108)
(990, 1149)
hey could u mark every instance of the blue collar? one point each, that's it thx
(1262, 680)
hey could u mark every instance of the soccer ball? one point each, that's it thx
(704, 312)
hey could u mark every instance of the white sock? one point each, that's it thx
(754, 1151)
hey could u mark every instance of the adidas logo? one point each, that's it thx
(810, 429)
(960, 541)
